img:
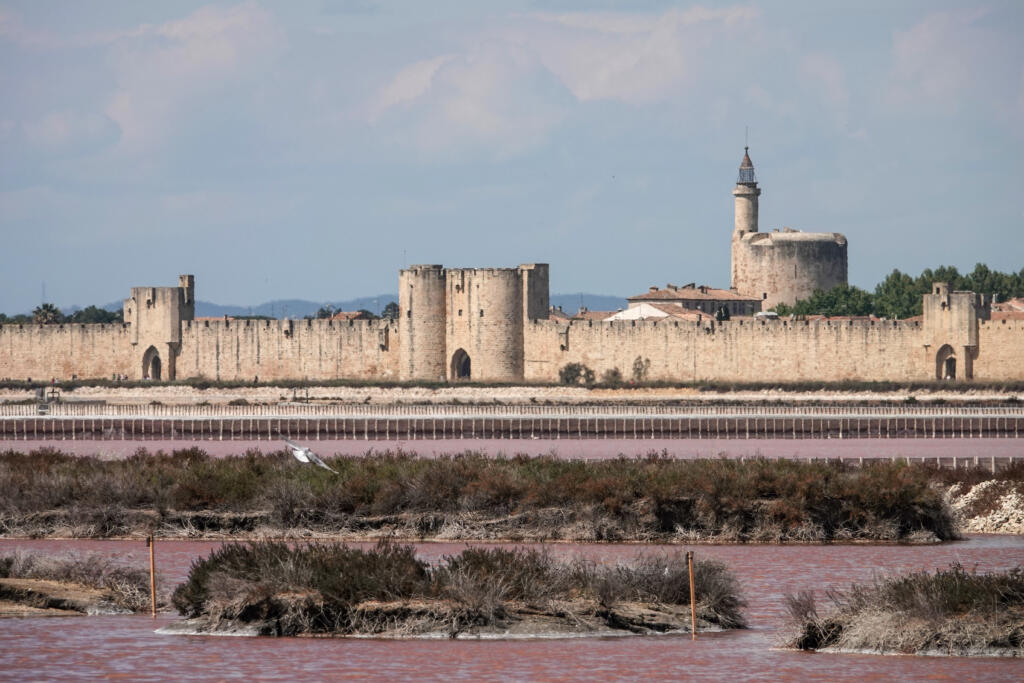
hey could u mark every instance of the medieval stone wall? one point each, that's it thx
(1000, 351)
(778, 350)
(45, 352)
(288, 349)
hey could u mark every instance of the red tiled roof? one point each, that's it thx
(349, 315)
(1009, 305)
(593, 315)
(671, 293)
(677, 311)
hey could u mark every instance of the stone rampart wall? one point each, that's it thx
(44, 352)
(1000, 351)
(780, 350)
(288, 349)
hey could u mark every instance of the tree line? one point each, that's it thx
(48, 314)
(899, 295)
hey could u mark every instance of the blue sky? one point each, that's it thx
(310, 149)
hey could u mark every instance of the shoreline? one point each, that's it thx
(183, 394)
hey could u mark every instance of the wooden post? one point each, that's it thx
(152, 575)
(693, 597)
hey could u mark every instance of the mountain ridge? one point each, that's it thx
(299, 308)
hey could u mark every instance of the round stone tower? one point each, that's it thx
(485, 324)
(421, 326)
(780, 267)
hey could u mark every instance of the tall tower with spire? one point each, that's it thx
(779, 266)
(746, 193)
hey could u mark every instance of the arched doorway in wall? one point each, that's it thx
(151, 364)
(945, 363)
(460, 365)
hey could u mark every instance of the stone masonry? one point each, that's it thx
(492, 325)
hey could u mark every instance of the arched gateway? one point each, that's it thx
(151, 364)
(460, 365)
(945, 363)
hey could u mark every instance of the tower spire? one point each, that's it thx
(746, 176)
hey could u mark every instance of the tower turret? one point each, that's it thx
(746, 193)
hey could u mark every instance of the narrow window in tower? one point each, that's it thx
(460, 311)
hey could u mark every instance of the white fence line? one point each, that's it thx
(299, 411)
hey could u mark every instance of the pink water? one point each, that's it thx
(128, 647)
(577, 448)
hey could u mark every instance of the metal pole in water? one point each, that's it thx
(693, 599)
(152, 575)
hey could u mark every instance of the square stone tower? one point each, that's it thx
(154, 316)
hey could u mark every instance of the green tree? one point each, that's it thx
(898, 296)
(367, 315)
(840, 300)
(47, 314)
(326, 311)
(390, 311)
(93, 314)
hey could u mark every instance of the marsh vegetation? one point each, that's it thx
(949, 611)
(271, 588)
(471, 496)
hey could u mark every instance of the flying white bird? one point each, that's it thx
(303, 454)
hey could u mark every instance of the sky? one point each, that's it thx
(311, 148)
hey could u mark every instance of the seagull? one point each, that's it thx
(303, 454)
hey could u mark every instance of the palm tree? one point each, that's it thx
(46, 314)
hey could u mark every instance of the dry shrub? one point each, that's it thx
(950, 610)
(653, 495)
(324, 588)
(128, 586)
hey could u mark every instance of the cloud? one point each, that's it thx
(826, 72)
(163, 70)
(408, 84)
(944, 56)
(492, 100)
(62, 128)
(510, 86)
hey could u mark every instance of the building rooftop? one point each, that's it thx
(587, 314)
(660, 311)
(692, 293)
(350, 315)
(1009, 305)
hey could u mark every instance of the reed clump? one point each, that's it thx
(949, 611)
(271, 588)
(125, 588)
(471, 496)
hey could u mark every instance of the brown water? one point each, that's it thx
(128, 647)
(587, 449)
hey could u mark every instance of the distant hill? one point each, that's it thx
(295, 308)
(299, 308)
